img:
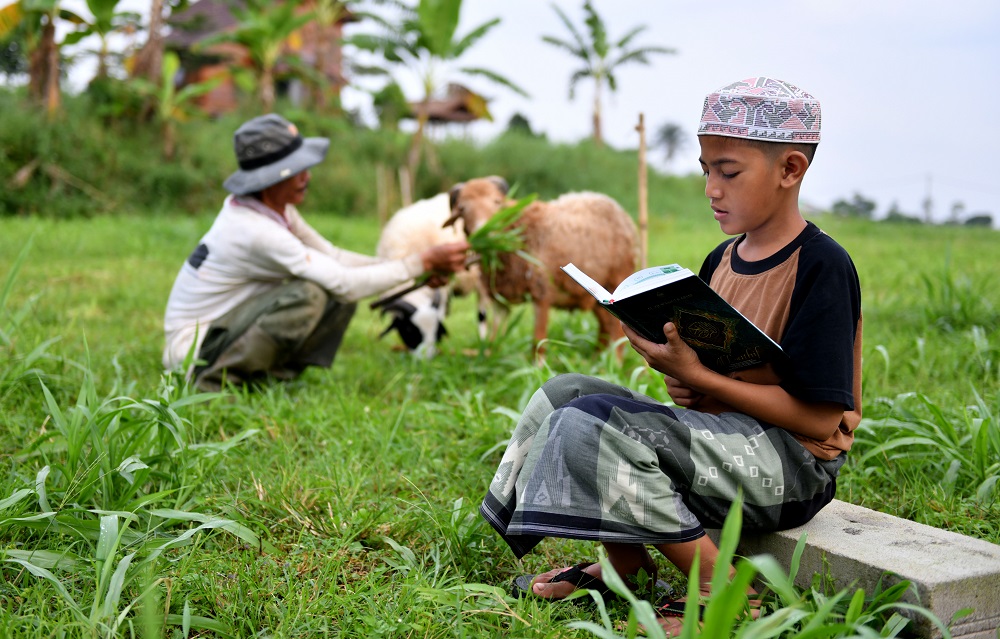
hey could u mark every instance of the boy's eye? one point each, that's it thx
(730, 176)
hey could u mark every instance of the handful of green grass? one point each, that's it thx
(491, 239)
(497, 235)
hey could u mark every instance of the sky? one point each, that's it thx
(910, 89)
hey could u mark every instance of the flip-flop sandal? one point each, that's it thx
(576, 576)
(674, 608)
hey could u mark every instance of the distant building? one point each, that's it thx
(459, 104)
(205, 18)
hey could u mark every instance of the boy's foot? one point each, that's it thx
(560, 583)
(671, 614)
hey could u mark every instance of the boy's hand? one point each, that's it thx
(675, 358)
(682, 395)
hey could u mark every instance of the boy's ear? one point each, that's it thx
(793, 167)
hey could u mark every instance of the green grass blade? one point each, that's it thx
(41, 572)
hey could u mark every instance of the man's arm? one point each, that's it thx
(770, 403)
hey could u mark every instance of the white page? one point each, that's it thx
(588, 283)
(650, 278)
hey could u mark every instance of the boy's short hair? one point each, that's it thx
(763, 111)
(772, 149)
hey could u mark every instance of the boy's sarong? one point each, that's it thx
(593, 460)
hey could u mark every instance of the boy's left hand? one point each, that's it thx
(675, 358)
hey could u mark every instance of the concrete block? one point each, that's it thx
(949, 571)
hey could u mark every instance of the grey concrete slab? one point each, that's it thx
(856, 546)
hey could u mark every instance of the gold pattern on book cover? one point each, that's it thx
(706, 329)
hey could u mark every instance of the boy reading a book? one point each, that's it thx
(596, 461)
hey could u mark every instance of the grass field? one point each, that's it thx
(344, 503)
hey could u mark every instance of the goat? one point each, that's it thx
(589, 229)
(419, 315)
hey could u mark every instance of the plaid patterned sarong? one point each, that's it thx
(593, 460)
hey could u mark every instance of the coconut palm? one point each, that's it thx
(421, 43)
(601, 58)
(671, 138)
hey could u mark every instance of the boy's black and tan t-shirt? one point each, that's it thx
(806, 297)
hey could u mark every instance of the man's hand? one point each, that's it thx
(445, 258)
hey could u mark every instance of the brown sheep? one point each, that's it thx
(588, 229)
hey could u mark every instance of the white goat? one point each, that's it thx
(419, 315)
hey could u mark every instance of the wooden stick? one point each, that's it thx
(420, 281)
(643, 196)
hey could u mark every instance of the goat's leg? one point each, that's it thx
(541, 329)
(609, 331)
(483, 303)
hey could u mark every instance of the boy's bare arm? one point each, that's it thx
(769, 403)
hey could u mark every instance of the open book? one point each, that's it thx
(724, 340)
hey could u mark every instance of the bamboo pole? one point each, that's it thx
(381, 193)
(643, 196)
(405, 185)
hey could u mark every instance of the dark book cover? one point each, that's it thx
(724, 340)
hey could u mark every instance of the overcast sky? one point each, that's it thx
(910, 89)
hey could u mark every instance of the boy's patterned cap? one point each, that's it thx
(763, 109)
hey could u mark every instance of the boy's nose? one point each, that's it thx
(711, 189)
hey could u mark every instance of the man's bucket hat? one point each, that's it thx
(269, 150)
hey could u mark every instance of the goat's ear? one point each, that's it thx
(451, 220)
(500, 183)
(453, 195)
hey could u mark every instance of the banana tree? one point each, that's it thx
(264, 30)
(327, 14)
(39, 18)
(146, 63)
(107, 19)
(421, 43)
(170, 105)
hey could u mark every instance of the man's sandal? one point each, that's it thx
(580, 579)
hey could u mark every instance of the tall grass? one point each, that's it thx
(353, 504)
(785, 610)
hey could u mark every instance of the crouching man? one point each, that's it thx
(263, 294)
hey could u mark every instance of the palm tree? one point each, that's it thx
(263, 29)
(424, 41)
(601, 59)
(671, 138)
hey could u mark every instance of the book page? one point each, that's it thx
(599, 292)
(648, 279)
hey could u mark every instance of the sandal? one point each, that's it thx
(674, 608)
(575, 575)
